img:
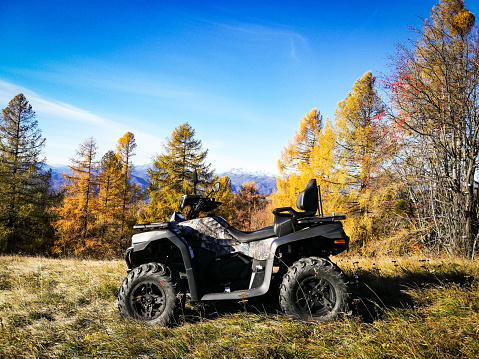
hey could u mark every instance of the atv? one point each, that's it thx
(207, 259)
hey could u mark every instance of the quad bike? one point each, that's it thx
(208, 259)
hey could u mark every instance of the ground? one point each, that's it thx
(402, 307)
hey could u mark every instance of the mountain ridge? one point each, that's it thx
(265, 181)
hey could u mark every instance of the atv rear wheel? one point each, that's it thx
(314, 289)
(149, 293)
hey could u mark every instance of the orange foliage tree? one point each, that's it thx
(100, 201)
(248, 203)
(77, 223)
(129, 191)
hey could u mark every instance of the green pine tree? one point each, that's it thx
(172, 173)
(24, 184)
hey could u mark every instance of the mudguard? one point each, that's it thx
(331, 231)
(141, 241)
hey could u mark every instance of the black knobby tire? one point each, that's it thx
(314, 289)
(149, 293)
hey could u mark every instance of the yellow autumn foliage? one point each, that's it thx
(349, 159)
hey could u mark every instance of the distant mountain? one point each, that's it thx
(57, 175)
(140, 176)
(266, 182)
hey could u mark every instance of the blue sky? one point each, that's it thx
(242, 73)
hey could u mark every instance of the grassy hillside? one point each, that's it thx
(405, 307)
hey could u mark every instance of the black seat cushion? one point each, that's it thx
(307, 201)
(246, 237)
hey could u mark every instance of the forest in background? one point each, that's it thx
(402, 166)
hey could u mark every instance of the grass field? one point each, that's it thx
(402, 308)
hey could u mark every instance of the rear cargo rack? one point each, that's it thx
(319, 219)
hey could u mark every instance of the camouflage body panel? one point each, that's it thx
(257, 249)
(214, 237)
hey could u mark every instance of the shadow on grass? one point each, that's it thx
(372, 294)
(211, 310)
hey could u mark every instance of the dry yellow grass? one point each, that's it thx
(402, 307)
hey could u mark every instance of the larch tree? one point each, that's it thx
(172, 173)
(365, 149)
(435, 95)
(295, 156)
(226, 196)
(24, 184)
(77, 223)
(109, 202)
(305, 139)
(130, 192)
(248, 202)
(360, 118)
(312, 154)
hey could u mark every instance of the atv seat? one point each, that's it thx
(286, 218)
(307, 202)
(250, 236)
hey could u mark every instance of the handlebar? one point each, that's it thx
(204, 204)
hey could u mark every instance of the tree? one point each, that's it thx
(109, 201)
(312, 154)
(226, 196)
(365, 149)
(362, 140)
(248, 202)
(172, 173)
(24, 185)
(100, 201)
(349, 160)
(434, 92)
(305, 139)
(77, 220)
(129, 190)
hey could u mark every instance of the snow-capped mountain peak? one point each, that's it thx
(241, 171)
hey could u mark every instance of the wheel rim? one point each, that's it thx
(148, 300)
(315, 297)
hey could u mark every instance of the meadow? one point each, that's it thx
(405, 307)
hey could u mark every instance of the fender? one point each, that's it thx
(141, 241)
(330, 231)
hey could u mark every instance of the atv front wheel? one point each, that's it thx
(149, 293)
(314, 289)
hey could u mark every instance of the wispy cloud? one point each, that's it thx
(62, 115)
(52, 108)
(100, 76)
(257, 32)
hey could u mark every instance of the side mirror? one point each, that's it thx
(216, 187)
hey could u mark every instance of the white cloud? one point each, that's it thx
(51, 108)
(66, 126)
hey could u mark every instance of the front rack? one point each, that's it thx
(157, 225)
